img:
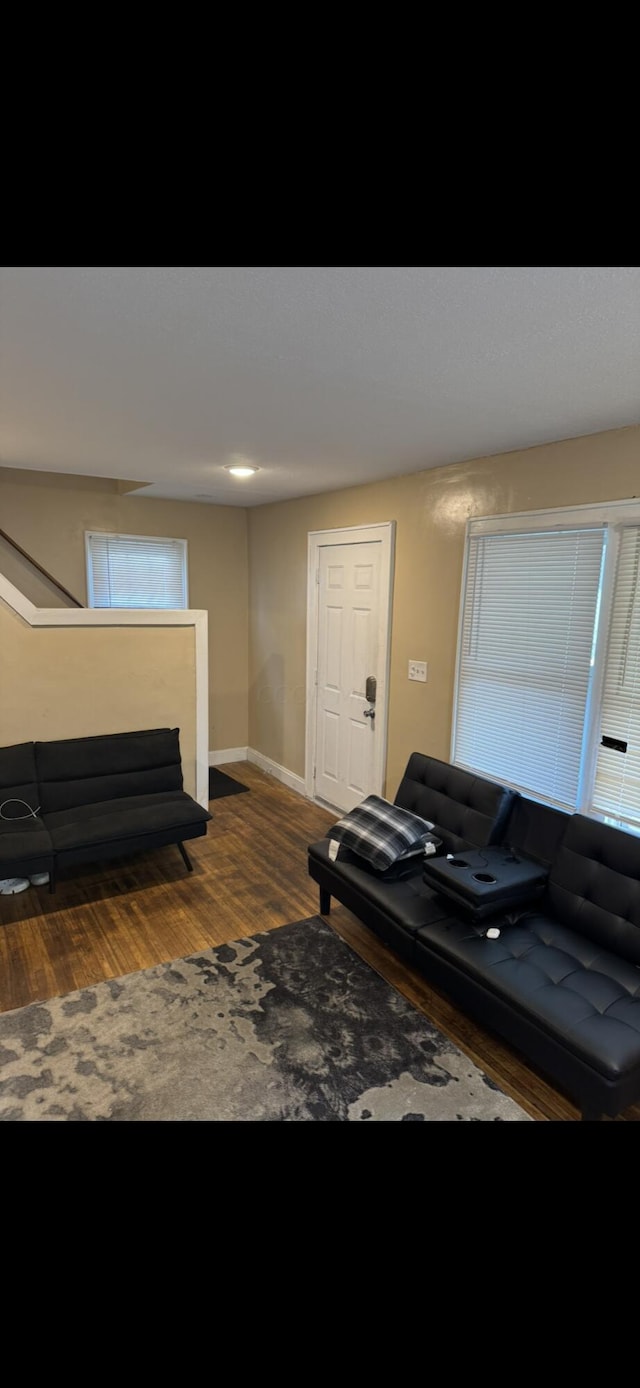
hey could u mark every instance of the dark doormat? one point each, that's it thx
(220, 784)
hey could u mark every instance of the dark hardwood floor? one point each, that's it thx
(250, 874)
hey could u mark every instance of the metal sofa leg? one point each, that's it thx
(185, 855)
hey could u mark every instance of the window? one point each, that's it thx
(548, 673)
(616, 791)
(136, 571)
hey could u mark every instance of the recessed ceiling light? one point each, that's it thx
(241, 469)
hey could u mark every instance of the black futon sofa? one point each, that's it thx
(561, 979)
(82, 799)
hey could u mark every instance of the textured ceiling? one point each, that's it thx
(323, 376)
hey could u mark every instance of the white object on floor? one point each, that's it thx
(9, 886)
(39, 879)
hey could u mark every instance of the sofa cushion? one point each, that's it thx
(18, 782)
(382, 833)
(408, 902)
(24, 845)
(86, 770)
(535, 830)
(464, 808)
(594, 885)
(575, 991)
(87, 826)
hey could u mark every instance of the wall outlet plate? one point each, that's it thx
(418, 670)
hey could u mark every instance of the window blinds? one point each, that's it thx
(525, 658)
(136, 571)
(617, 779)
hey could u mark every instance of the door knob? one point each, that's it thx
(369, 713)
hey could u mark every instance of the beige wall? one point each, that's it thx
(47, 514)
(64, 682)
(258, 597)
(430, 510)
(28, 581)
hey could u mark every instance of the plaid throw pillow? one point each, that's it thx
(381, 832)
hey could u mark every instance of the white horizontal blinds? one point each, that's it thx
(617, 779)
(530, 606)
(136, 571)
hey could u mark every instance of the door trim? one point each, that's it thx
(385, 533)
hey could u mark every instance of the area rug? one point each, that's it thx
(288, 1025)
(220, 784)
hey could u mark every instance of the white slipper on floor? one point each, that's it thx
(39, 879)
(9, 886)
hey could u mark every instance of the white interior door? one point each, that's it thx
(352, 630)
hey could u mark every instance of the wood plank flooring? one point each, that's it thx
(250, 874)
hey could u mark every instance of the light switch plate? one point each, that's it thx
(418, 670)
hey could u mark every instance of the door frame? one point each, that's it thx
(385, 533)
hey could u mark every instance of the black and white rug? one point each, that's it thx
(289, 1025)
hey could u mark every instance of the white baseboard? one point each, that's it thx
(272, 768)
(227, 754)
(280, 773)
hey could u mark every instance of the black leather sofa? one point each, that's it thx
(82, 799)
(561, 982)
